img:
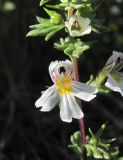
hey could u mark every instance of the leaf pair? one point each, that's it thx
(47, 27)
(72, 47)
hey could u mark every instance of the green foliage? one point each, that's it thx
(72, 47)
(75, 4)
(100, 148)
(47, 27)
(76, 145)
(97, 148)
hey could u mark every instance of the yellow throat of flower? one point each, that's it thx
(64, 85)
(117, 78)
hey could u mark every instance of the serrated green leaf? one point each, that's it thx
(34, 33)
(40, 31)
(60, 6)
(51, 34)
(56, 18)
(44, 28)
(42, 2)
(40, 26)
(42, 20)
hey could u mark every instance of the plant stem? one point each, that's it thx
(81, 121)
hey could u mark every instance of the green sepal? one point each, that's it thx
(72, 47)
(42, 2)
(100, 81)
(104, 90)
(90, 80)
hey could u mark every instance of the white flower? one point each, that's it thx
(64, 91)
(115, 77)
(78, 26)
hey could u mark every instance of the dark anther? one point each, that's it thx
(62, 69)
(75, 25)
(118, 60)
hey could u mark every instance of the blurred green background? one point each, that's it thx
(25, 132)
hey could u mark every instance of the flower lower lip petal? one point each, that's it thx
(118, 87)
(48, 100)
(84, 91)
(75, 109)
(65, 112)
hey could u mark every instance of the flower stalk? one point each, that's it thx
(81, 121)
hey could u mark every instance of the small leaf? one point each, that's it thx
(51, 34)
(97, 154)
(42, 20)
(101, 130)
(56, 18)
(42, 2)
(40, 31)
(89, 150)
(39, 26)
(34, 33)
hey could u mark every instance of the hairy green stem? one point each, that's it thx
(81, 121)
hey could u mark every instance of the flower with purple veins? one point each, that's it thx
(64, 91)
